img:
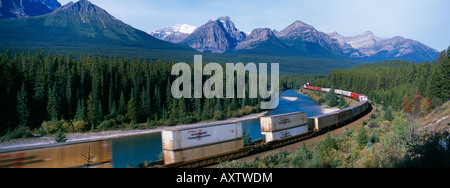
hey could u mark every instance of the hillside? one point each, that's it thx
(79, 28)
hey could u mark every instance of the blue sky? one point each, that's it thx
(424, 20)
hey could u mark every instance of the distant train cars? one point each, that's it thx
(355, 96)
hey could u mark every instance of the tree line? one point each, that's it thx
(53, 92)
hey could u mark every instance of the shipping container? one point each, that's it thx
(347, 93)
(362, 98)
(282, 134)
(283, 121)
(325, 121)
(208, 134)
(338, 91)
(311, 123)
(364, 106)
(66, 155)
(345, 114)
(171, 156)
(326, 89)
(356, 109)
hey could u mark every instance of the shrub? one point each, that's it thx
(80, 126)
(105, 125)
(19, 132)
(362, 137)
(60, 137)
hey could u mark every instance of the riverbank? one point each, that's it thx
(80, 137)
(324, 108)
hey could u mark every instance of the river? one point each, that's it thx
(132, 150)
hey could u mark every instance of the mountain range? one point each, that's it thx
(84, 28)
(298, 39)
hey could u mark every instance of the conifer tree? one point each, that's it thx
(52, 104)
(132, 110)
(80, 112)
(22, 106)
(388, 114)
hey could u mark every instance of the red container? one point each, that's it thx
(354, 95)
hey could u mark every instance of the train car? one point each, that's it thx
(187, 143)
(326, 89)
(356, 109)
(283, 126)
(325, 121)
(338, 91)
(282, 134)
(188, 154)
(65, 155)
(354, 95)
(364, 106)
(347, 93)
(362, 98)
(345, 114)
(283, 121)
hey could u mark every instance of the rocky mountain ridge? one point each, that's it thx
(302, 39)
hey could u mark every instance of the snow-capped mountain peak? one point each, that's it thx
(174, 33)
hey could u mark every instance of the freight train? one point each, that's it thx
(276, 131)
(196, 146)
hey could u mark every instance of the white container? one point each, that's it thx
(283, 121)
(282, 134)
(338, 91)
(347, 93)
(326, 89)
(180, 139)
(171, 156)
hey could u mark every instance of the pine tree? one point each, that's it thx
(448, 51)
(122, 105)
(22, 106)
(52, 103)
(132, 110)
(80, 112)
(342, 102)
(388, 114)
(362, 137)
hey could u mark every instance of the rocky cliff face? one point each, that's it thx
(216, 36)
(10, 9)
(299, 31)
(367, 45)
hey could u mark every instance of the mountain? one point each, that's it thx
(10, 9)
(368, 46)
(308, 40)
(263, 41)
(173, 34)
(216, 36)
(79, 27)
